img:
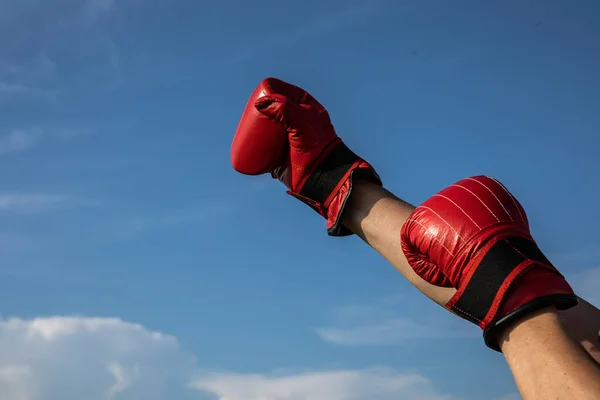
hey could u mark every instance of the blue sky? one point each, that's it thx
(121, 217)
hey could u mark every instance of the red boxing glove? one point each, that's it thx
(286, 132)
(474, 236)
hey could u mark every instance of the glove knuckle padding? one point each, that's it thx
(445, 226)
(260, 140)
(305, 123)
(474, 235)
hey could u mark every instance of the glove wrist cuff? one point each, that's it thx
(329, 185)
(328, 172)
(337, 206)
(509, 277)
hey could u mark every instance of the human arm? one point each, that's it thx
(376, 215)
(538, 348)
(582, 324)
(545, 362)
(286, 132)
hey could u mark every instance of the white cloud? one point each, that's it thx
(16, 382)
(366, 384)
(122, 378)
(383, 325)
(64, 358)
(39, 203)
(18, 139)
(72, 358)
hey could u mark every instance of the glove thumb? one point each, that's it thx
(274, 106)
(421, 264)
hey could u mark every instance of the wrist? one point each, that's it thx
(365, 194)
(528, 329)
(536, 289)
(545, 361)
(330, 183)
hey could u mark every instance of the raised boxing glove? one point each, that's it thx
(286, 132)
(474, 236)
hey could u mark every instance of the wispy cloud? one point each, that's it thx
(93, 11)
(36, 63)
(18, 139)
(387, 332)
(39, 203)
(132, 226)
(392, 324)
(392, 321)
(380, 383)
(27, 77)
(22, 139)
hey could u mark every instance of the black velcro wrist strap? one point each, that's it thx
(491, 273)
(329, 173)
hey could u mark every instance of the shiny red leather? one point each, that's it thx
(260, 142)
(446, 238)
(287, 132)
(281, 117)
